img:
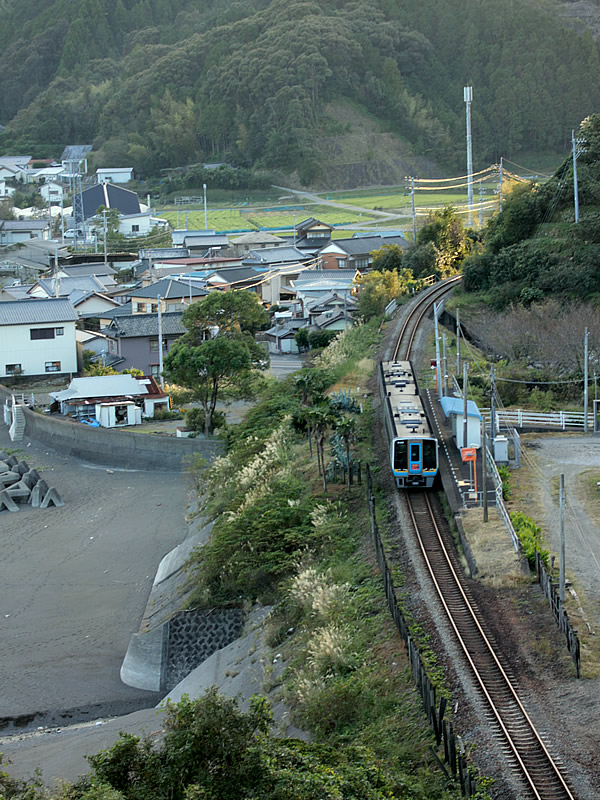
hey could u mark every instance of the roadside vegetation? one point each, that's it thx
(289, 534)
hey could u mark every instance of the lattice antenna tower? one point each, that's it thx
(77, 198)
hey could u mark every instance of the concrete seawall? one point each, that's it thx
(116, 448)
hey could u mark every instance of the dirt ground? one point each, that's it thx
(75, 581)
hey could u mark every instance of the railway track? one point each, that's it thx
(525, 750)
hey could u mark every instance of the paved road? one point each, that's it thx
(74, 582)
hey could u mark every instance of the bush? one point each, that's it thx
(195, 419)
(162, 414)
(504, 473)
(530, 536)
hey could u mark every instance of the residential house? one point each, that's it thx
(112, 400)
(37, 337)
(356, 252)
(255, 240)
(276, 267)
(205, 243)
(6, 191)
(148, 256)
(57, 286)
(175, 295)
(312, 234)
(104, 272)
(114, 174)
(109, 196)
(184, 267)
(331, 303)
(52, 192)
(13, 231)
(281, 338)
(133, 340)
(314, 283)
(47, 174)
(140, 224)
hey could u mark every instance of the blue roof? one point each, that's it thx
(456, 405)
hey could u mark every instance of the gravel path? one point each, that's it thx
(75, 581)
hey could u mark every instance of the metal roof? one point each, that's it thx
(363, 245)
(111, 196)
(75, 151)
(257, 237)
(456, 405)
(83, 283)
(45, 310)
(102, 386)
(275, 255)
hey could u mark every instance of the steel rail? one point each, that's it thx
(529, 751)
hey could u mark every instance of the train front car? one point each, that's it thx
(413, 451)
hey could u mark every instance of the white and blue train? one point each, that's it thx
(413, 450)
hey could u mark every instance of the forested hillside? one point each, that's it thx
(535, 249)
(163, 83)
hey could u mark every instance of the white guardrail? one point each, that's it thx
(551, 419)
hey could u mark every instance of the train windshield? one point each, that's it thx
(429, 454)
(400, 454)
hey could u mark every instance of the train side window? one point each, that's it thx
(429, 454)
(400, 454)
(414, 453)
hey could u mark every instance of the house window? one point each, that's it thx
(154, 308)
(154, 344)
(135, 228)
(52, 366)
(59, 331)
(140, 308)
(341, 263)
(155, 370)
(361, 263)
(13, 369)
(41, 333)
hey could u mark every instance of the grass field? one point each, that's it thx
(234, 219)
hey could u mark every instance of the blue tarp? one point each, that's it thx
(456, 405)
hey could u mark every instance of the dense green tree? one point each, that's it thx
(388, 257)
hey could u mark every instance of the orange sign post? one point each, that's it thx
(470, 454)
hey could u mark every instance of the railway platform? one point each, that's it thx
(462, 480)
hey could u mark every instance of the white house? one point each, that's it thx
(114, 174)
(140, 224)
(5, 190)
(112, 400)
(52, 192)
(37, 337)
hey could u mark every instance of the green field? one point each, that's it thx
(233, 219)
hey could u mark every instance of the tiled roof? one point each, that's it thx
(27, 312)
(257, 237)
(328, 277)
(23, 225)
(167, 288)
(274, 255)
(83, 283)
(144, 325)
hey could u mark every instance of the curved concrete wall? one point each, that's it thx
(115, 448)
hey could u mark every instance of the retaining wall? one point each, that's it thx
(114, 448)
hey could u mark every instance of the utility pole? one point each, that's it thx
(468, 96)
(445, 362)
(585, 381)
(575, 185)
(562, 540)
(414, 213)
(465, 368)
(438, 365)
(160, 344)
(105, 253)
(205, 211)
(493, 409)
(484, 472)
(501, 181)
(457, 342)
(480, 203)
